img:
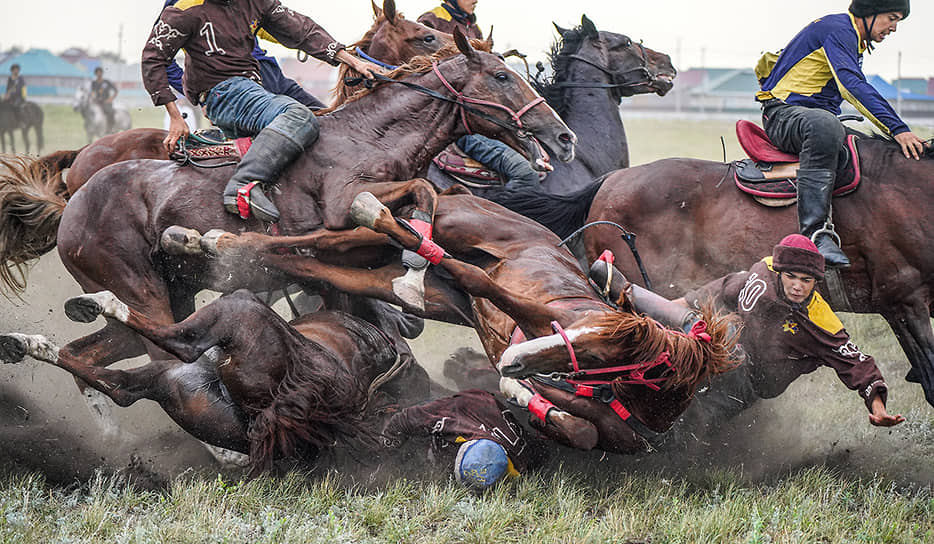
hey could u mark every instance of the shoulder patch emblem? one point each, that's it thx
(754, 288)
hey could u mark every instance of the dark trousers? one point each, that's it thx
(816, 135)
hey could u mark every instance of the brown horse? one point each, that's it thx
(28, 116)
(503, 273)
(110, 229)
(695, 226)
(245, 380)
(33, 195)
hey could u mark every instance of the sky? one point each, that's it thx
(718, 34)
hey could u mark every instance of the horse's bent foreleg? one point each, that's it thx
(557, 424)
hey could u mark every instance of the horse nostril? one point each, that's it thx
(566, 138)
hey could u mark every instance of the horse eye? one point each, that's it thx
(429, 38)
(501, 76)
(628, 43)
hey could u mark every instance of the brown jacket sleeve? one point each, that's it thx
(296, 31)
(168, 36)
(855, 369)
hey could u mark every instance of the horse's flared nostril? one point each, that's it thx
(567, 138)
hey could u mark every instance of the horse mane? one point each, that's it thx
(341, 90)
(692, 359)
(568, 44)
(31, 217)
(928, 152)
(418, 65)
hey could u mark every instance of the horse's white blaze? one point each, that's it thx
(538, 345)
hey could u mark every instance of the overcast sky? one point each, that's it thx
(719, 33)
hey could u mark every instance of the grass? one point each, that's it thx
(812, 505)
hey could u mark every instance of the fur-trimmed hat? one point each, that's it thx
(865, 8)
(797, 253)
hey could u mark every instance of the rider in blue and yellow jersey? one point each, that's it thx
(453, 14)
(802, 89)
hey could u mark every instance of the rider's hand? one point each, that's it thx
(367, 68)
(178, 128)
(880, 418)
(912, 146)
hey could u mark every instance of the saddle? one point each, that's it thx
(769, 175)
(472, 173)
(211, 143)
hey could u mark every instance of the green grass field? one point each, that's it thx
(806, 467)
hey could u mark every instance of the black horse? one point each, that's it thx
(28, 116)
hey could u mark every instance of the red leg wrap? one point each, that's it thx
(539, 407)
(243, 199)
(431, 251)
(423, 227)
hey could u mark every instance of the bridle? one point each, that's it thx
(647, 76)
(465, 103)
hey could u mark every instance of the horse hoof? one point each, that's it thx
(365, 209)
(209, 242)
(12, 348)
(86, 308)
(410, 292)
(178, 240)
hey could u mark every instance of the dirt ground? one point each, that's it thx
(45, 425)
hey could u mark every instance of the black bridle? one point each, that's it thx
(647, 76)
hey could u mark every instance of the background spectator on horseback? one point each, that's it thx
(473, 427)
(15, 95)
(788, 328)
(222, 75)
(274, 80)
(453, 14)
(802, 89)
(103, 93)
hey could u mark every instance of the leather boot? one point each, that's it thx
(815, 186)
(270, 153)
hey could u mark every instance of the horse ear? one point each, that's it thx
(463, 44)
(561, 31)
(389, 10)
(376, 9)
(588, 28)
(489, 38)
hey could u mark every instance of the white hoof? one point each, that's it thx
(86, 308)
(209, 241)
(365, 209)
(178, 240)
(228, 458)
(410, 288)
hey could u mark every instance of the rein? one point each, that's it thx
(362, 54)
(642, 68)
(463, 102)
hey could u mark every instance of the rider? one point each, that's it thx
(222, 75)
(490, 443)
(802, 89)
(103, 93)
(453, 14)
(789, 329)
(274, 80)
(15, 94)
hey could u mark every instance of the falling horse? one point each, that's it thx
(694, 226)
(245, 380)
(510, 280)
(27, 117)
(110, 243)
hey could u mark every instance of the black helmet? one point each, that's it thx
(865, 8)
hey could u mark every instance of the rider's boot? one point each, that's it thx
(815, 188)
(269, 154)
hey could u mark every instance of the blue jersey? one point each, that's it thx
(821, 67)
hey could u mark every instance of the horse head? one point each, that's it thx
(622, 348)
(501, 104)
(630, 67)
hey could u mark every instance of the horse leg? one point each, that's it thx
(912, 327)
(532, 316)
(190, 394)
(557, 424)
(178, 240)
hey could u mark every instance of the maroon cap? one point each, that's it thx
(797, 253)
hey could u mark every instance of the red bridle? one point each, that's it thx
(461, 100)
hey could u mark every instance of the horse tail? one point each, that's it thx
(54, 164)
(312, 409)
(562, 214)
(31, 207)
